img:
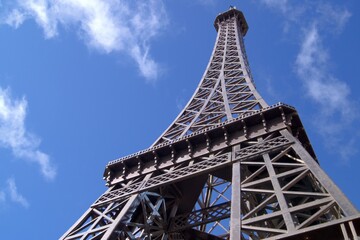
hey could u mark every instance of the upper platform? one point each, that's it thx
(232, 12)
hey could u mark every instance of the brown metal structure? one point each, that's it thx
(228, 167)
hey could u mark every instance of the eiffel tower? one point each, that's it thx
(229, 167)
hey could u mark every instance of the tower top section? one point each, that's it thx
(226, 90)
(232, 12)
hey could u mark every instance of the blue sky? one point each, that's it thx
(85, 82)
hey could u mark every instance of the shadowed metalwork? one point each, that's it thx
(228, 167)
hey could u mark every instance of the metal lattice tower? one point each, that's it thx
(228, 167)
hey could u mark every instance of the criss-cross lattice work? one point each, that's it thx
(282, 191)
(281, 194)
(226, 90)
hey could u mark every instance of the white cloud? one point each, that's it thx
(13, 134)
(147, 65)
(326, 15)
(336, 109)
(317, 20)
(282, 5)
(108, 26)
(15, 196)
(291, 10)
(312, 60)
(335, 17)
(311, 65)
(15, 18)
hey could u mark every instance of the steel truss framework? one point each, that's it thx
(229, 167)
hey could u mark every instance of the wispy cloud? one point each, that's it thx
(281, 5)
(15, 196)
(332, 95)
(333, 17)
(329, 17)
(13, 134)
(311, 66)
(287, 8)
(15, 18)
(108, 26)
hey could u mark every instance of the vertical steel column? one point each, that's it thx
(353, 230)
(235, 215)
